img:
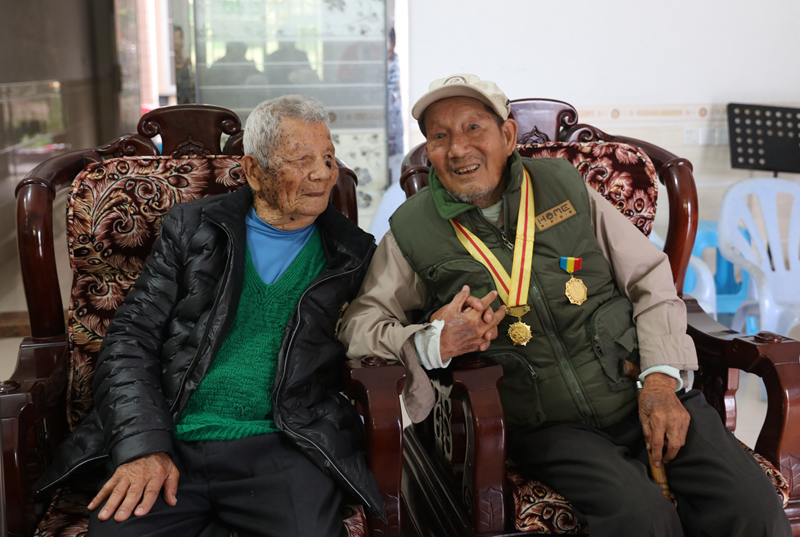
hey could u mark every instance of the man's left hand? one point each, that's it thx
(663, 417)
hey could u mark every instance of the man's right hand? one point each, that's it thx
(470, 324)
(140, 479)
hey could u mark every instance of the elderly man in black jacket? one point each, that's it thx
(218, 379)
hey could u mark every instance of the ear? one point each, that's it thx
(509, 130)
(252, 172)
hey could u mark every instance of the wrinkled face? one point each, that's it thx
(468, 149)
(301, 173)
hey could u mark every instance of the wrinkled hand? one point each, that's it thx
(141, 479)
(663, 416)
(470, 324)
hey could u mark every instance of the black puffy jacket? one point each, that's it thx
(169, 328)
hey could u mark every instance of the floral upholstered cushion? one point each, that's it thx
(68, 516)
(624, 175)
(114, 211)
(540, 509)
(774, 475)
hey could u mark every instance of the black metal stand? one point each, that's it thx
(764, 137)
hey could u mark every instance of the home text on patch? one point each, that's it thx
(553, 216)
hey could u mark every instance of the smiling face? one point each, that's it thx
(295, 189)
(468, 149)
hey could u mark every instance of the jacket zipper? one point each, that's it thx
(183, 380)
(561, 353)
(65, 477)
(228, 268)
(278, 386)
(555, 342)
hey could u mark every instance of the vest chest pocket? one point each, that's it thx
(613, 336)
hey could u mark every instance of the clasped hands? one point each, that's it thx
(470, 324)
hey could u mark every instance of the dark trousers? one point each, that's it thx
(261, 485)
(720, 488)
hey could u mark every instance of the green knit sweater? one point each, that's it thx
(234, 398)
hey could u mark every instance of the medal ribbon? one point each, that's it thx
(512, 290)
(571, 264)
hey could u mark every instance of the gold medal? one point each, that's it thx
(576, 290)
(519, 333)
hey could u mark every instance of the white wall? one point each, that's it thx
(613, 51)
(651, 70)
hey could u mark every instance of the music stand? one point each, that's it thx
(764, 137)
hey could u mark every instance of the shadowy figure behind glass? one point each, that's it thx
(184, 74)
(233, 68)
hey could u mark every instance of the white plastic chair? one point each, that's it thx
(705, 290)
(777, 279)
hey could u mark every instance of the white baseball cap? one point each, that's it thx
(464, 85)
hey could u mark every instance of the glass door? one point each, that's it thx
(247, 51)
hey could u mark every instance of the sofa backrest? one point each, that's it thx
(114, 211)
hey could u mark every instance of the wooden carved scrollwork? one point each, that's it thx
(466, 496)
(534, 136)
(128, 145)
(149, 128)
(585, 133)
(184, 132)
(568, 119)
(442, 415)
(449, 429)
(231, 127)
(190, 148)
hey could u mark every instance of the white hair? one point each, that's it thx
(262, 132)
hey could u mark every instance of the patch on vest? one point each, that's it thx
(553, 216)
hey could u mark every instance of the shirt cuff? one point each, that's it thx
(673, 372)
(426, 342)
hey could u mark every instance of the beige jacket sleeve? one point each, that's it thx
(643, 274)
(377, 322)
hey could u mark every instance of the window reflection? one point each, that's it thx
(247, 51)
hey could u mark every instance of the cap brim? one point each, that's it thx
(450, 90)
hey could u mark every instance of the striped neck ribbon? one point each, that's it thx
(512, 290)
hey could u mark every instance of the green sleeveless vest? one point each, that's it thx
(569, 371)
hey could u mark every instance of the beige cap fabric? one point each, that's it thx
(464, 85)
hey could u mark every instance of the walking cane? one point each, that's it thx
(632, 371)
(3, 513)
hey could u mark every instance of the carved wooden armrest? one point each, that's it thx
(376, 387)
(721, 353)
(33, 410)
(471, 435)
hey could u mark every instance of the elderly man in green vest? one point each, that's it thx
(557, 306)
